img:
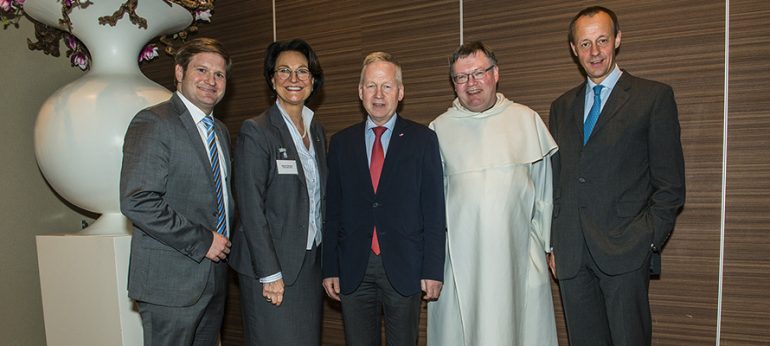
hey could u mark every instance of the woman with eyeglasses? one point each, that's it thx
(280, 178)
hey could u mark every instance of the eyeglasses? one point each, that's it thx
(463, 78)
(284, 73)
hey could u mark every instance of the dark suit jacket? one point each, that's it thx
(408, 208)
(167, 191)
(621, 191)
(272, 234)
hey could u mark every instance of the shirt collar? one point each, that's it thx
(307, 115)
(608, 82)
(388, 125)
(196, 113)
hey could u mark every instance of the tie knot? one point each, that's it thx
(208, 121)
(598, 89)
(379, 130)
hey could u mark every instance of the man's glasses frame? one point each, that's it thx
(463, 78)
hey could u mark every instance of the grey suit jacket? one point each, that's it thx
(620, 192)
(167, 191)
(273, 208)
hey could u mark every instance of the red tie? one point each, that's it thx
(375, 169)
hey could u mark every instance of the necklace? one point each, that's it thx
(305, 140)
(297, 126)
(304, 133)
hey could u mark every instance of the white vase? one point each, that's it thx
(80, 128)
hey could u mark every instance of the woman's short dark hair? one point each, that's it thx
(297, 45)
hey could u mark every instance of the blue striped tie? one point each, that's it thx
(593, 114)
(211, 138)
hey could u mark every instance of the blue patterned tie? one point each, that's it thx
(593, 115)
(211, 138)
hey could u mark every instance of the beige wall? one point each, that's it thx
(28, 207)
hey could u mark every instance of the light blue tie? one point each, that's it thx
(208, 122)
(593, 114)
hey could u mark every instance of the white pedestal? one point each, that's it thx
(83, 285)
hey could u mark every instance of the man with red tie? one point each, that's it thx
(385, 229)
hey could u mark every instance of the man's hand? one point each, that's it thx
(220, 247)
(332, 287)
(273, 292)
(432, 289)
(551, 259)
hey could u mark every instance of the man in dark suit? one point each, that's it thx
(385, 229)
(618, 186)
(175, 188)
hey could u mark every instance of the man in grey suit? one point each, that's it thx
(175, 188)
(618, 186)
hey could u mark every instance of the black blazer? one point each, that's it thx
(273, 208)
(621, 191)
(408, 208)
(167, 191)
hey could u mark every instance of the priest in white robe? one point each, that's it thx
(497, 167)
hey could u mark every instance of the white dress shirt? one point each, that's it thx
(197, 116)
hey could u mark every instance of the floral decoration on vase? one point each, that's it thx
(48, 38)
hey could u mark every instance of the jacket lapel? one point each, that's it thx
(284, 136)
(359, 157)
(578, 110)
(195, 138)
(320, 153)
(616, 101)
(394, 153)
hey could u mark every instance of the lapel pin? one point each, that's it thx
(282, 153)
(401, 134)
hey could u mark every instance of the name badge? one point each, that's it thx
(287, 166)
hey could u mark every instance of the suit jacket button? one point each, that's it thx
(375, 205)
(582, 180)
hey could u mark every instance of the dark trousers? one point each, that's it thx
(603, 309)
(197, 324)
(297, 321)
(362, 311)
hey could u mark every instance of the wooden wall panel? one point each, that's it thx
(421, 35)
(679, 43)
(421, 44)
(682, 43)
(336, 40)
(746, 299)
(357, 28)
(245, 29)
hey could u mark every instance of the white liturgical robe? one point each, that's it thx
(499, 200)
